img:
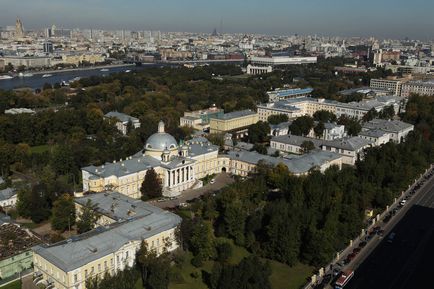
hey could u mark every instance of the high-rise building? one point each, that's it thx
(19, 29)
(48, 47)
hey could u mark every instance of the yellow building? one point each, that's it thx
(68, 264)
(180, 167)
(76, 59)
(233, 121)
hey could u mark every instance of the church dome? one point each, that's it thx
(161, 140)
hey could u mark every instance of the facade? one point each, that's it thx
(331, 131)
(418, 87)
(27, 61)
(378, 137)
(297, 107)
(233, 122)
(394, 86)
(262, 65)
(293, 143)
(16, 256)
(280, 129)
(68, 264)
(122, 121)
(351, 148)
(397, 130)
(382, 56)
(245, 162)
(180, 167)
(282, 94)
(8, 198)
(200, 119)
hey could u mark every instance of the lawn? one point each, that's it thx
(282, 276)
(39, 149)
(13, 285)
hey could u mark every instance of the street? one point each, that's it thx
(221, 180)
(404, 261)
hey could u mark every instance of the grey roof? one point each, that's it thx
(133, 164)
(74, 253)
(351, 144)
(2, 181)
(235, 114)
(4, 219)
(121, 116)
(373, 133)
(387, 125)
(296, 140)
(116, 206)
(161, 141)
(7, 193)
(281, 125)
(296, 164)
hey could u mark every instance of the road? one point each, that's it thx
(406, 262)
(221, 180)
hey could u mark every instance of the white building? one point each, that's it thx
(397, 130)
(418, 87)
(392, 85)
(8, 198)
(261, 65)
(331, 131)
(351, 148)
(122, 121)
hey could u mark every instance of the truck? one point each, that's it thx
(343, 279)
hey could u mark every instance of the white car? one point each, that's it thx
(212, 181)
(402, 203)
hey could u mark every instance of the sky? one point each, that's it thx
(379, 18)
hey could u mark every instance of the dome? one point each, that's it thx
(161, 141)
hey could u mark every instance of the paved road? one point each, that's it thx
(407, 262)
(221, 180)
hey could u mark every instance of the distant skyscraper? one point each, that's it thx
(19, 29)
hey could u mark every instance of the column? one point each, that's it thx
(168, 178)
(188, 173)
(173, 178)
(183, 175)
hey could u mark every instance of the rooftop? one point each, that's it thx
(7, 193)
(236, 114)
(102, 241)
(121, 116)
(15, 240)
(387, 125)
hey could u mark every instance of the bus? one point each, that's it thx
(343, 279)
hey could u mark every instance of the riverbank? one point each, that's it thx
(83, 68)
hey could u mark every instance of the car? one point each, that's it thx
(336, 271)
(356, 250)
(212, 181)
(362, 244)
(380, 233)
(327, 278)
(402, 203)
(376, 229)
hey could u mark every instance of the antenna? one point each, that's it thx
(221, 25)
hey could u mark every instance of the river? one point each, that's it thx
(37, 81)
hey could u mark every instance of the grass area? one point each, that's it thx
(39, 149)
(30, 226)
(13, 285)
(285, 277)
(282, 276)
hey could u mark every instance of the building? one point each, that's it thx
(377, 136)
(282, 94)
(8, 198)
(48, 47)
(27, 61)
(351, 148)
(180, 167)
(331, 131)
(200, 119)
(234, 122)
(122, 121)
(19, 111)
(392, 85)
(109, 249)
(261, 65)
(397, 130)
(293, 144)
(245, 162)
(15, 250)
(418, 87)
(297, 107)
(280, 129)
(382, 56)
(19, 29)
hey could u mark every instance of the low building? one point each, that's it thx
(235, 122)
(8, 197)
(122, 121)
(68, 264)
(392, 85)
(280, 129)
(261, 65)
(200, 119)
(397, 130)
(282, 94)
(331, 131)
(418, 87)
(293, 143)
(19, 111)
(27, 61)
(15, 250)
(352, 149)
(244, 162)
(377, 136)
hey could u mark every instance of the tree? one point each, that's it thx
(258, 132)
(307, 146)
(154, 269)
(319, 129)
(63, 213)
(260, 148)
(324, 116)
(352, 125)
(224, 251)
(302, 125)
(202, 242)
(88, 217)
(277, 118)
(151, 186)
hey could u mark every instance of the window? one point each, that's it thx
(99, 267)
(85, 274)
(105, 265)
(75, 278)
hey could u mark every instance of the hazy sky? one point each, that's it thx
(381, 18)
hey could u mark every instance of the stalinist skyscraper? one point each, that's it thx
(19, 29)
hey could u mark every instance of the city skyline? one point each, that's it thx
(382, 20)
